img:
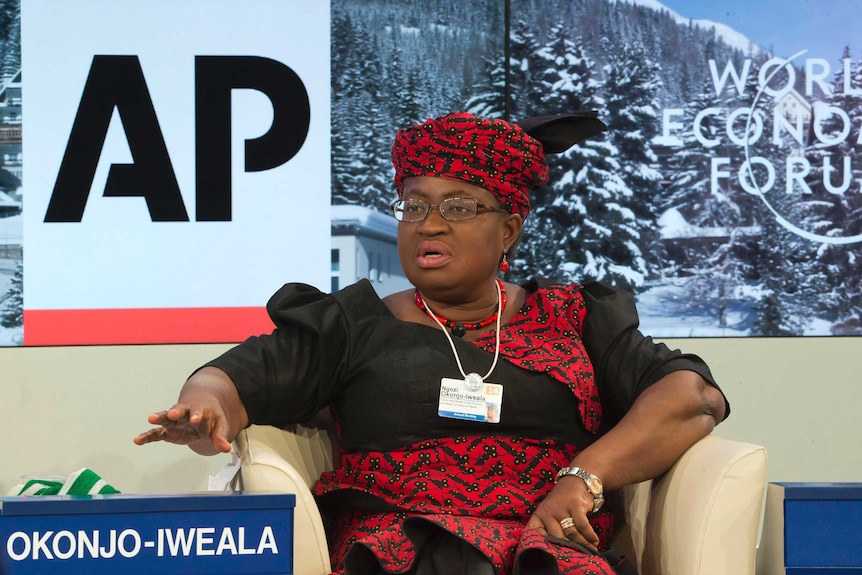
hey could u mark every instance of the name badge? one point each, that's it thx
(458, 402)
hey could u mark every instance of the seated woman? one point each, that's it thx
(484, 427)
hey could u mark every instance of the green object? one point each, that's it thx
(82, 482)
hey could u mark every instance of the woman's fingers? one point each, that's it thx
(564, 515)
(535, 522)
(219, 436)
(566, 527)
(150, 436)
(580, 532)
(184, 424)
(557, 527)
(158, 417)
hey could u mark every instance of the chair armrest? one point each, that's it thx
(273, 459)
(705, 512)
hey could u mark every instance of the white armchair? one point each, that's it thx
(700, 518)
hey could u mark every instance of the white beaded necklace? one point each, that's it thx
(473, 380)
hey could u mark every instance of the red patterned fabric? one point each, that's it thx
(490, 153)
(482, 489)
(545, 336)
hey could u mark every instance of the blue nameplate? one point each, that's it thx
(818, 527)
(207, 533)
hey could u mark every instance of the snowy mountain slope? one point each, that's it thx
(730, 36)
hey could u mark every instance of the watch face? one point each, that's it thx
(598, 504)
(595, 485)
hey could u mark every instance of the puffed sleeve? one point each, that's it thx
(625, 361)
(290, 374)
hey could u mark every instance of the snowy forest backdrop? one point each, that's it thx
(11, 221)
(620, 208)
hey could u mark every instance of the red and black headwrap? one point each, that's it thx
(494, 154)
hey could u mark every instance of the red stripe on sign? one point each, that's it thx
(136, 326)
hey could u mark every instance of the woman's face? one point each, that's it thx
(451, 260)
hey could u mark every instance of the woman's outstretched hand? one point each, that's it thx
(207, 416)
(200, 425)
(569, 500)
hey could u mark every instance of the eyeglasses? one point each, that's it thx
(452, 209)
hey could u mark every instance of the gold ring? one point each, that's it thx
(567, 523)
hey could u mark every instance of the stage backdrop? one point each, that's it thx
(181, 158)
(178, 166)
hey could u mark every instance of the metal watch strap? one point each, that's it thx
(593, 483)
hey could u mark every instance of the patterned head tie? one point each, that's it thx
(491, 153)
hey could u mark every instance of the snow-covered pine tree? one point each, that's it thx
(525, 91)
(835, 202)
(395, 64)
(731, 263)
(783, 269)
(631, 86)
(10, 24)
(346, 52)
(689, 196)
(489, 99)
(373, 168)
(580, 227)
(407, 91)
(12, 311)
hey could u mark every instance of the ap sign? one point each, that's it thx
(177, 166)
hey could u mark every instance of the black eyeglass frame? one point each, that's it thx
(399, 210)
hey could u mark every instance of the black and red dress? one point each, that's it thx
(572, 363)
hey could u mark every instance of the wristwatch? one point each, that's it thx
(594, 484)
